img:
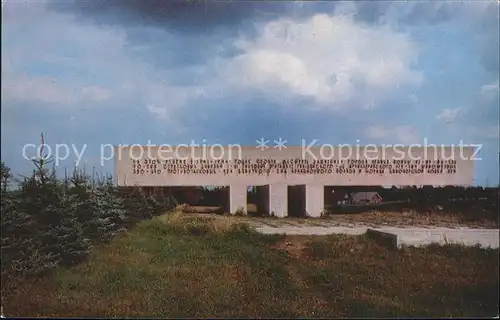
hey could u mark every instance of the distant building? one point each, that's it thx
(365, 197)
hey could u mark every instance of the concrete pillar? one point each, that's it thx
(237, 198)
(315, 201)
(278, 200)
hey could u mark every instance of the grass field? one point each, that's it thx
(177, 266)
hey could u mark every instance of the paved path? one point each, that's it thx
(402, 236)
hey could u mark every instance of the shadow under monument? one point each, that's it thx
(297, 201)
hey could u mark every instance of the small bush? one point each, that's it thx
(240, 212)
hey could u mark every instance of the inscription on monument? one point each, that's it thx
(265, 166)
(294, 166)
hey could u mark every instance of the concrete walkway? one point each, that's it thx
(400, 236)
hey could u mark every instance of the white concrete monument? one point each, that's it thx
(315, 167)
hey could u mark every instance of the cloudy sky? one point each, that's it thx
(125, 72)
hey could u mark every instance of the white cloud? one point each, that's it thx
(24, 88)
(36, 89)
(490, 91)
(160, 112)
(449, 115)
(405, 134)
(329, 58)
(92, 63)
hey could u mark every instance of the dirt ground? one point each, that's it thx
(369, 219)
(414, 219)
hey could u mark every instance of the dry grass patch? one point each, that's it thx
(295, 246)
(372, 280)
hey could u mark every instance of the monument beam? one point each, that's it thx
(239, 167)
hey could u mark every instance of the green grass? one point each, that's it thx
(202, 267)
